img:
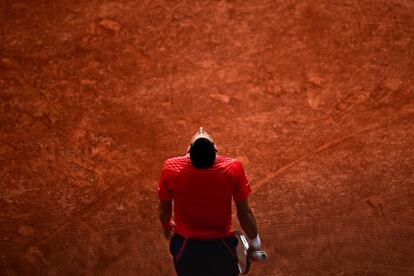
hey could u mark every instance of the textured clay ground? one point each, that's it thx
(316, 98)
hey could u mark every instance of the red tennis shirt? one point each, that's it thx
(202, 197)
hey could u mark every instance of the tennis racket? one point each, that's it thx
(244, 255)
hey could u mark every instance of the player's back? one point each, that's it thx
(202, 197)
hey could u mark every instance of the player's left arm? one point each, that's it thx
(165, 206)
(165, 214)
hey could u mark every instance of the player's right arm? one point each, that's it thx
(248, 223)
(246, 219)
(244, 213)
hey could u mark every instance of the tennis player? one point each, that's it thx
(199, 188)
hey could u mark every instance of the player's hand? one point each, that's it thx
(169, 231)
(257, 255)
(252, 249)
(255, 244)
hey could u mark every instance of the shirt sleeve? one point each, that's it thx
(164, 191)
(242, 187)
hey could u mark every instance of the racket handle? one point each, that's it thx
(258, 256)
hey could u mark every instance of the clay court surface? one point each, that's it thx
(316, 98)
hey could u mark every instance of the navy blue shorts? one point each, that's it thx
(194, 257)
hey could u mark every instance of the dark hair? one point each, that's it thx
(202, 153)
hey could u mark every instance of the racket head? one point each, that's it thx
(242, 253)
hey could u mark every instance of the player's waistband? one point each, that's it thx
(204, 240)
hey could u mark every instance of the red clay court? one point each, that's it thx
(316, 98)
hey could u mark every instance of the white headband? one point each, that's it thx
(201, 134)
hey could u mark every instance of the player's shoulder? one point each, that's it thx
(226, 161)
(176, 163)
